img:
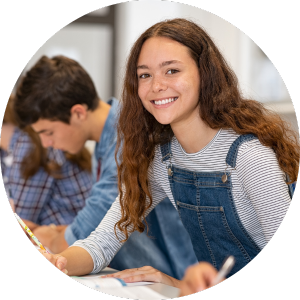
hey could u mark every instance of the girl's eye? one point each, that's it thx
(48, 133)
(172, 71)
(143, 76)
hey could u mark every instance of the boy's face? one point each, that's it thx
(59, 135)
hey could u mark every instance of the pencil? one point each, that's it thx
(30, 233)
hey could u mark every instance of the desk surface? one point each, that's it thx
(163, 289)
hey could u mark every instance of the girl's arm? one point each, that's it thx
(73, 261)
(98, 249)
(103, 244)
(93, 253)
(263, 183)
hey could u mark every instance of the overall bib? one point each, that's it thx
(207, 210)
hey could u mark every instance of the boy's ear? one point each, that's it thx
(79, 112)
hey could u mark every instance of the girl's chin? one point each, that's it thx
(163, 122)
(162, 119)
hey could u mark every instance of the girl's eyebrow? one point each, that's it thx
(142, 67)
(169, 62)
(163, 64)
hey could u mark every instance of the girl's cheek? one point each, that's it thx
(142, 92)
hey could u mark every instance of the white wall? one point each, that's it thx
(89, 44)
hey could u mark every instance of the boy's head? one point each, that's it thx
(53, 97)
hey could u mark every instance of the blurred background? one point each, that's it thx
(101, 40)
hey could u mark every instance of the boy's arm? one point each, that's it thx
(103, 194)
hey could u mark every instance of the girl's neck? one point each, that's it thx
(193, 135)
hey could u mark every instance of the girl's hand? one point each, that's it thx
(197, 278)
(57, 260)
(145, 274)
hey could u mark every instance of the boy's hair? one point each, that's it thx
(51, 88)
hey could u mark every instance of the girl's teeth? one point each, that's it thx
(160, 102)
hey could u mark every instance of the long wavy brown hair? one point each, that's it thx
(37, 157)
(222, 106)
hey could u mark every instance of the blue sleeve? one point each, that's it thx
(103, 194)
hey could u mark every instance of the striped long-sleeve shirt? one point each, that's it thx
(259, 191)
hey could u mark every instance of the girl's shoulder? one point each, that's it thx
(255, 150)
(256, 159)
(247, 147)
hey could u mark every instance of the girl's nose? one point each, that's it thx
(158, 85)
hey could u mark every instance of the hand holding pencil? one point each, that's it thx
(203, 275)
(25, 227)
(197, 278)
(57, 260)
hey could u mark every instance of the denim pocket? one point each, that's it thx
(211, 233)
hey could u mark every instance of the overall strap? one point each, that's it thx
(232, 155)
(291, 186)
(233, 150)
(166, 152)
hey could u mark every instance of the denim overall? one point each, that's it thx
(207, 210)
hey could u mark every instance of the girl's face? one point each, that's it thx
(168, 81)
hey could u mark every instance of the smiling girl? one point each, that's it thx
(188, 134)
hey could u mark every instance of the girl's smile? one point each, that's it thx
(164, 103)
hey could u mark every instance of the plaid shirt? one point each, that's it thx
(43, 199)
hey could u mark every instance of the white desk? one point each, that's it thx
(165, 290)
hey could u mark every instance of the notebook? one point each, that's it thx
(118, 287)
(97, 282)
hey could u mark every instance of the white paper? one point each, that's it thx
(117, 287)
(139, 283)
(137, 292)
(99, 282)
